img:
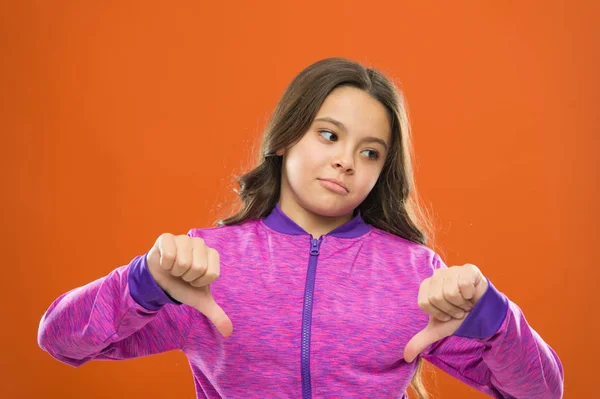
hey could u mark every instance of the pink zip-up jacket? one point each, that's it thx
(322, 318)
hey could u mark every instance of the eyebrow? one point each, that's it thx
(340, 125)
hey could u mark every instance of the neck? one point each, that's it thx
(311, 222)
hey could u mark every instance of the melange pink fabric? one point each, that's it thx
(313, 318)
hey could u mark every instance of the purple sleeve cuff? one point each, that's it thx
(144, 289)
(486, 317)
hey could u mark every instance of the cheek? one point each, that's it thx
(303, 161)
(296, 169)
(368, 180)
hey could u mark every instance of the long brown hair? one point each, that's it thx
(392, 205)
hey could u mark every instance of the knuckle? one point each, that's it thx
(453, 295)
(211, 276)
(436, 298)
(165, 236)
(200, 267)
(472, 268)
(198, 242)
(184, 263)
(464, 284)
(182, 240)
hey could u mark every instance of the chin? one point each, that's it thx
(329, 208)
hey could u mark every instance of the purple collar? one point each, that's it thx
(279, 221)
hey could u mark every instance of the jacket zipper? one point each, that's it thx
(315, 244)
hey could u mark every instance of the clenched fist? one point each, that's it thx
(185, 267)
(448, 297)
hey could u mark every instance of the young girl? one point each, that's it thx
(322, 284)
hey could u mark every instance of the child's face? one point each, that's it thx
(348, 141)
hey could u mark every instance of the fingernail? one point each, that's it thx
(459, 315)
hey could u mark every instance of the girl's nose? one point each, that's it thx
(344, 164)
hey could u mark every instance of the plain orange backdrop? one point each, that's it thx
(123, 120)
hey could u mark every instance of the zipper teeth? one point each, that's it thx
(307, 318)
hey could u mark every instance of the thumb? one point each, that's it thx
(419, 342)
(211, 309)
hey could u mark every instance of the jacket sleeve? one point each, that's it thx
(122, 315)
(497, 352)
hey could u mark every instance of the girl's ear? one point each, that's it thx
(280, 152)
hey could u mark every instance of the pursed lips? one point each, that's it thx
(339, 183)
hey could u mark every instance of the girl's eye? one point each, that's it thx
(374, 154)
(329, 136)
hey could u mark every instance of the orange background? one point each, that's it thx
(123, 120)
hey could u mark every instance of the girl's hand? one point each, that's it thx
(184, 267)
(448, 296)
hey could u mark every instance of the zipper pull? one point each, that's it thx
(314, 246)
